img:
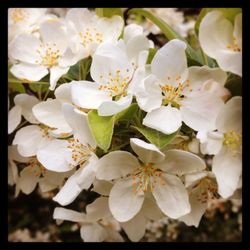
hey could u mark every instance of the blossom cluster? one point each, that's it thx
(101, 108)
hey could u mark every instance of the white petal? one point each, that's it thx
(213, 144)
(197, 211)
(54, 33)
(200, 111)
(193, 178)
(55, 156)
(29, 72)
(111, 28)
(27, 102)
(115, 165)
(102, 187)
(63, 92)
(171, 196)
(55, 73)
(28, 180)
(215, 33)
(124, 203)
(132, 30)
(149, 96)
(230, 116)
(78, 121)
(170, 60)
(61, 213)
(24, 48)
(181, 162)
(93, 233)
(227, 169)
(88, 173)
(117, 59)
(98, 209)
(86, 95)
(147, 152)
(50, 113)
(14, 118)
(164, 119)
(150, 209)
(238, 29)
(108, 108)
(29, 139)
(13, 154)
(135, 228)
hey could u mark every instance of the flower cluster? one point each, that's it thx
(101, 108)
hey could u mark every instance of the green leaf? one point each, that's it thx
(151, 54)
(108, 12)
(15, 84)
(155, 137)
(102, 127)
(228, 13)
(234, 84)
(169, 33)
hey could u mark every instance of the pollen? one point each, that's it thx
(234, 47)
(18, 15)
(90, 36)
(233, 141)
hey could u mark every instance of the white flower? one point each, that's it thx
(114, 71)
(37, 57)
(156, 173)
(62, 155)
(222, 41)
(170, 97)
(226, 145)
(202, 187)
(87, 30)
(21, 20)
(97, 224)
(23, 107)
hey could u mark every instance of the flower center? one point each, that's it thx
(49, 54)
(90, 36)
(45, 131)
(174, 95)
(145, 178)
(115, 83)
(206, 189)
(233, 140)
(18, 15)
(234, 47)
(80, 152)
(36, 166)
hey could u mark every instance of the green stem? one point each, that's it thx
(46, 94)
(204, 57)
(21, 124)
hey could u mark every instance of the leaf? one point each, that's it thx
(234, 84)
(155, 137)
(108, 12)
(228, 13)
(15, 84)
(151, 54)
(102, 127)
(169, 33)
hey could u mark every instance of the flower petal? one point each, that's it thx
(61, 213)
(170, 60)
(50, 113)
(55, 73)
(93, 233)
(135, 228)
(29, 72)
(27, 102)
(131, 31)
(14, 118)
(87, 95)
(124, 203)
(171, 196)
(147, 152)
(29, 139)
(230, 116)
(164, 119)
(55, 156)
(115, 165)
(63, 92)
(238, 29)
(227, 169)
(108, 108)
(78, 121)
(200, 111)
(102, 187)
(181, 162)
(213, 144)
